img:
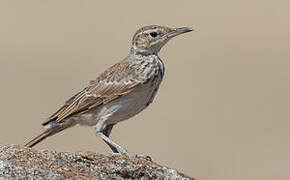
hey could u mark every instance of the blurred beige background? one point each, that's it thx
(222, 111)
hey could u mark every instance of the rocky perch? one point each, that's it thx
(18, 162)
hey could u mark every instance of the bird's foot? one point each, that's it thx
(119, 153)
(146, 157)
(115, 153)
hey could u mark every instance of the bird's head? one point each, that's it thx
(150, 39)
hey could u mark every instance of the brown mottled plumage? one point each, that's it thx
(99, 91)
(118, 93)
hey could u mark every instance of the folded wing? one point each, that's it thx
(115, 82)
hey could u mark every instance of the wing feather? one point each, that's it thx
(116, 81)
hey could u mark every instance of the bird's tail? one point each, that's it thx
(45, 134)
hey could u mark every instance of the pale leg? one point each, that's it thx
(114, 146)
(107, 132)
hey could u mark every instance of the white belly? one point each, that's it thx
(122, 108)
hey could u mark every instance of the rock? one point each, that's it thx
(18, 162)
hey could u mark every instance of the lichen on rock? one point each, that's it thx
(18, 162)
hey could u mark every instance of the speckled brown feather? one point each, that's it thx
(118, 80)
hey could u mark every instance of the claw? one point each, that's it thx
(146, 157)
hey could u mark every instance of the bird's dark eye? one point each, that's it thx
(153, 34)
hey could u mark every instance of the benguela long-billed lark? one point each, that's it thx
(120, 92)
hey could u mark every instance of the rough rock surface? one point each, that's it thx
(18, 162)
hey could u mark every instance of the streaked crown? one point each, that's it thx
(150, 39)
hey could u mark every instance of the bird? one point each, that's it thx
(120, 92)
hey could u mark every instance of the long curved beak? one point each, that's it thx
(178, 31)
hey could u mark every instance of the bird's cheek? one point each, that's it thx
(142, 44)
